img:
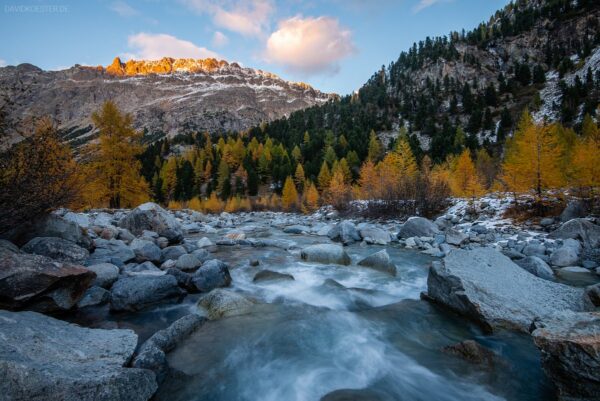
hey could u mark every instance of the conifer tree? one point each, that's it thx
(375, 148)
(368, 180)
(311, 197)
(289, 196)
(465, 182)
(299, 177)
(339, 193)
(224, 180)
(324, 177)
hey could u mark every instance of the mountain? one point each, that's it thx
(471, 87)
(165, 97)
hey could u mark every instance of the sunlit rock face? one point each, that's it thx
(166, 97)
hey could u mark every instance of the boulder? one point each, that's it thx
(142, 269)
(574, 209)
(94, 296)
(344, 232)
(213, 274)
(138, 292)
(471, 351)
(235, 236)
(379, 261)
(47, 359)
(537, 267)
(6, 245)
(110, 251)
(145, 251)
(152, 354)
(56, 248)
(39, 283)
(152, 217)
(579, 229)
(488, 287)
(54, 225)
(456, 237)
(363, 394)
(296, 229)
(534, 249)
(106, 274)
(81, 219)
(325, 253)
(418, 227)
(270, 275)
(546, 221)
(569, 343)
(592, 296)
(188, 262)
(567, 254)
(204, 243)
(223, 303)
(374, 235)
(173, 252)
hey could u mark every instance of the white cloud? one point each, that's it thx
(219, 39)
(150, 46)
(309, 45)
(2, 63)
(423, 4)
(246, 17)
(123, 9)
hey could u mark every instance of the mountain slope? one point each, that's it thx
(165, 97)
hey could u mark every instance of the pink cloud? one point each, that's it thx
(148, 46)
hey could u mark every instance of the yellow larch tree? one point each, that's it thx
(299, 177)
(289, 196)
(339, 193)
(368, 180)
(324, 177)
(465, 180)
(311, 198)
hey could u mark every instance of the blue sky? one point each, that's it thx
(334, 45)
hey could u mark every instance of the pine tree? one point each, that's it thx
(224, 180)
(289, 197)
(299, 177)
(375, 148)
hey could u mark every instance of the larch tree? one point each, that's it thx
(113, 172)
(465, 181)
(324, 177)
(224, 180)
(311, 198)
(339, 193)
(368, 180)
(299, 177)
(375, 148)
(289, 196)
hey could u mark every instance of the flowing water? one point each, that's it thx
(343, 328)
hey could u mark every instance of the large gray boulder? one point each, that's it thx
(213, 274)
(145, 250)
(39, 283)
(137, 292)
(152, 354)
(270, 275)
(110, 251)
(567, 254)
(456, 237)
(344, 232)
(537, 267)
(106, 274)
(54, 225)
(570, 348)
(188, 262)
(418, 227)
(42, 358)
(325, 253)
(579, 229)
(374, 235)
(94, 296)
(574, 209)
(173, 252)
(57, 248)
(379, 261)
(152, 217)
(487, 286)
(223, 303)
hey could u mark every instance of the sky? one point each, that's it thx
(334, 45)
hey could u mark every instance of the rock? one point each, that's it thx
(374, 235)
(6, 245)
(537, 267)
(213, 274)
(145, 251)
(534, 249)
(221, 303)
(56, 248)
(55, 226)
(471, 351)
(142, 269)
(204, 243)
(579, 229)
(574, 269)
(296, 229)
(106, 274)
(125, 236)
(513, 254)
(479, 229)
(254, 262)
(344, 232)
(570, 349)
(410, 242)
(455, 237)
(110, 251)
(488, 287)
(355, 395)
(81, 219)
(39, 283)
(152, 354)
(379, 261)
(173, 252)
(418, 227)
(325, 253)
(47, 359)
(135, 293)
(227, 242)
(94, 296)
(150, 216)
(592, 295)
(162, 242)
(188, 262)
(269, 275)
(235, 236)
(567, 254)
(574, 209)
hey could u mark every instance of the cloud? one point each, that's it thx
(2, 63)
(246, 17)
(123, 9)
(150, 46)
(219, 39)
(423, 4)
(309, 45)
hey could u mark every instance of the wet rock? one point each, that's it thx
(270, 275)
(479, 229)
(162, 242)
(471, 351)
(325, 253)
(296, 229)
(570, 349)
(6, 245)
(379, 261)
(39, 283)
(344, 232)
(488, 287)
(235, 235)
(54, 225)
(65, 362)
(455, 237)
(142, 269)
(221, 303)
(355, 395)
(106, 274)
(254, 262)
(145, 251)
(418, 227)
(213, 274)
(173, 252)
(56, 248)
(227, 242)
(537, 267)
(152, 217)
(592, 296)
(204, 243)
(125, 236)
(188, 262)
(579, 229)
(110, 251)
(94, 296)
(534, 249)
(152, 353)
(135, 293)
(567, 254)
(374, 235)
